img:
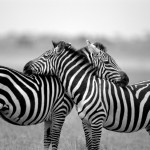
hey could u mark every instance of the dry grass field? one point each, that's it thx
(132, 56)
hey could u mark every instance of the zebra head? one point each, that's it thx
(45, 64)
(107, 66)
(39, 65)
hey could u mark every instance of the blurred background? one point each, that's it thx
(27, 28)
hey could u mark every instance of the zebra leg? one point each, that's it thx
(47, 134)
(57, 124)
(88, 135)
(96, 135)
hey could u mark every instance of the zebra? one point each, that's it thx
(29, 100)
(114, 73)
(83, 86)
(99, 103)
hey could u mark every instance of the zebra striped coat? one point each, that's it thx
(99, 103)
(31, 100)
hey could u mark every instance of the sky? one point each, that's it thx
(128, 18)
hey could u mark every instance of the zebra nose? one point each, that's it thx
(124, 78)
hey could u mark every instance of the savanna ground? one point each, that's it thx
(133, 56)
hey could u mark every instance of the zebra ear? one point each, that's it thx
(54, 44)
(92, 48)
